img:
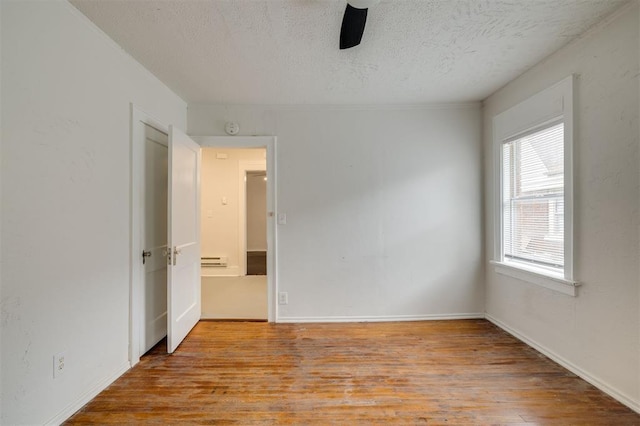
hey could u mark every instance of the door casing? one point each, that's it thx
(138, 120)
(268, 142)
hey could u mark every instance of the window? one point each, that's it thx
(534, 235)
(533, 198)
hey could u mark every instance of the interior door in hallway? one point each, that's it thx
(155, 238)
(184, 237)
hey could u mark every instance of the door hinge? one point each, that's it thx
(176, 252)
(172, 256)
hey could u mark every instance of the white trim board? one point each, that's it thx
(381, 318)
(212, 271)
(586, 376)
(551, 105)
(342, 107)
(522, 273)
(87, 396)
(231, 319)
(234, 141)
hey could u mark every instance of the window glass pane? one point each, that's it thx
(533, 194)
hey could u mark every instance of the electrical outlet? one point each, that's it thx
(59, 364)
(283, 298)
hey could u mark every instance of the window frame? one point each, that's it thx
(551, 105)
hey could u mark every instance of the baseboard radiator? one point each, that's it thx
(214, 261)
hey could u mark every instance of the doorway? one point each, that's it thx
(267, 159)
(164, 242)
(184, 285)
(149, 220)
(233, 227)
(256, 222)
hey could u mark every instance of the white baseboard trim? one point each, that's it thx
(209, 271)
(206, 317)
(87, 396)
(383, 318)
(603, 386)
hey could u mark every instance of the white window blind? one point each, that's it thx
(533, 198)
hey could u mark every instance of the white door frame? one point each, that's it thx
(138, 120)
(272, 238)
(243, 168)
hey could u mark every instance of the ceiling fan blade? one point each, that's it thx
(352, 26)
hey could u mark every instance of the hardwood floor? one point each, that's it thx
(435, 372)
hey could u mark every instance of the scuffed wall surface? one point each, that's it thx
(65, 205)
(383, 207)
(596, 332)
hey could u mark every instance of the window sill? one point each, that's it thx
(539, 277)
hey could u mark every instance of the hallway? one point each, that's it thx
(235, 297)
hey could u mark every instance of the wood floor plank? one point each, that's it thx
(435, 372)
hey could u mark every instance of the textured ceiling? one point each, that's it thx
(286, 51)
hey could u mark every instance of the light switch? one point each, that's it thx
(282, 218)
(224, 201)
(209, 213)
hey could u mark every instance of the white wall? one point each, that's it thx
(1, 161)
(65, 205)
(256, 213)
(383, 207)
(220, 223)
(595, 333)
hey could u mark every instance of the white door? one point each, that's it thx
(184, 237)
(154, 263)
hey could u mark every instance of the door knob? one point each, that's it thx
(145, 254)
